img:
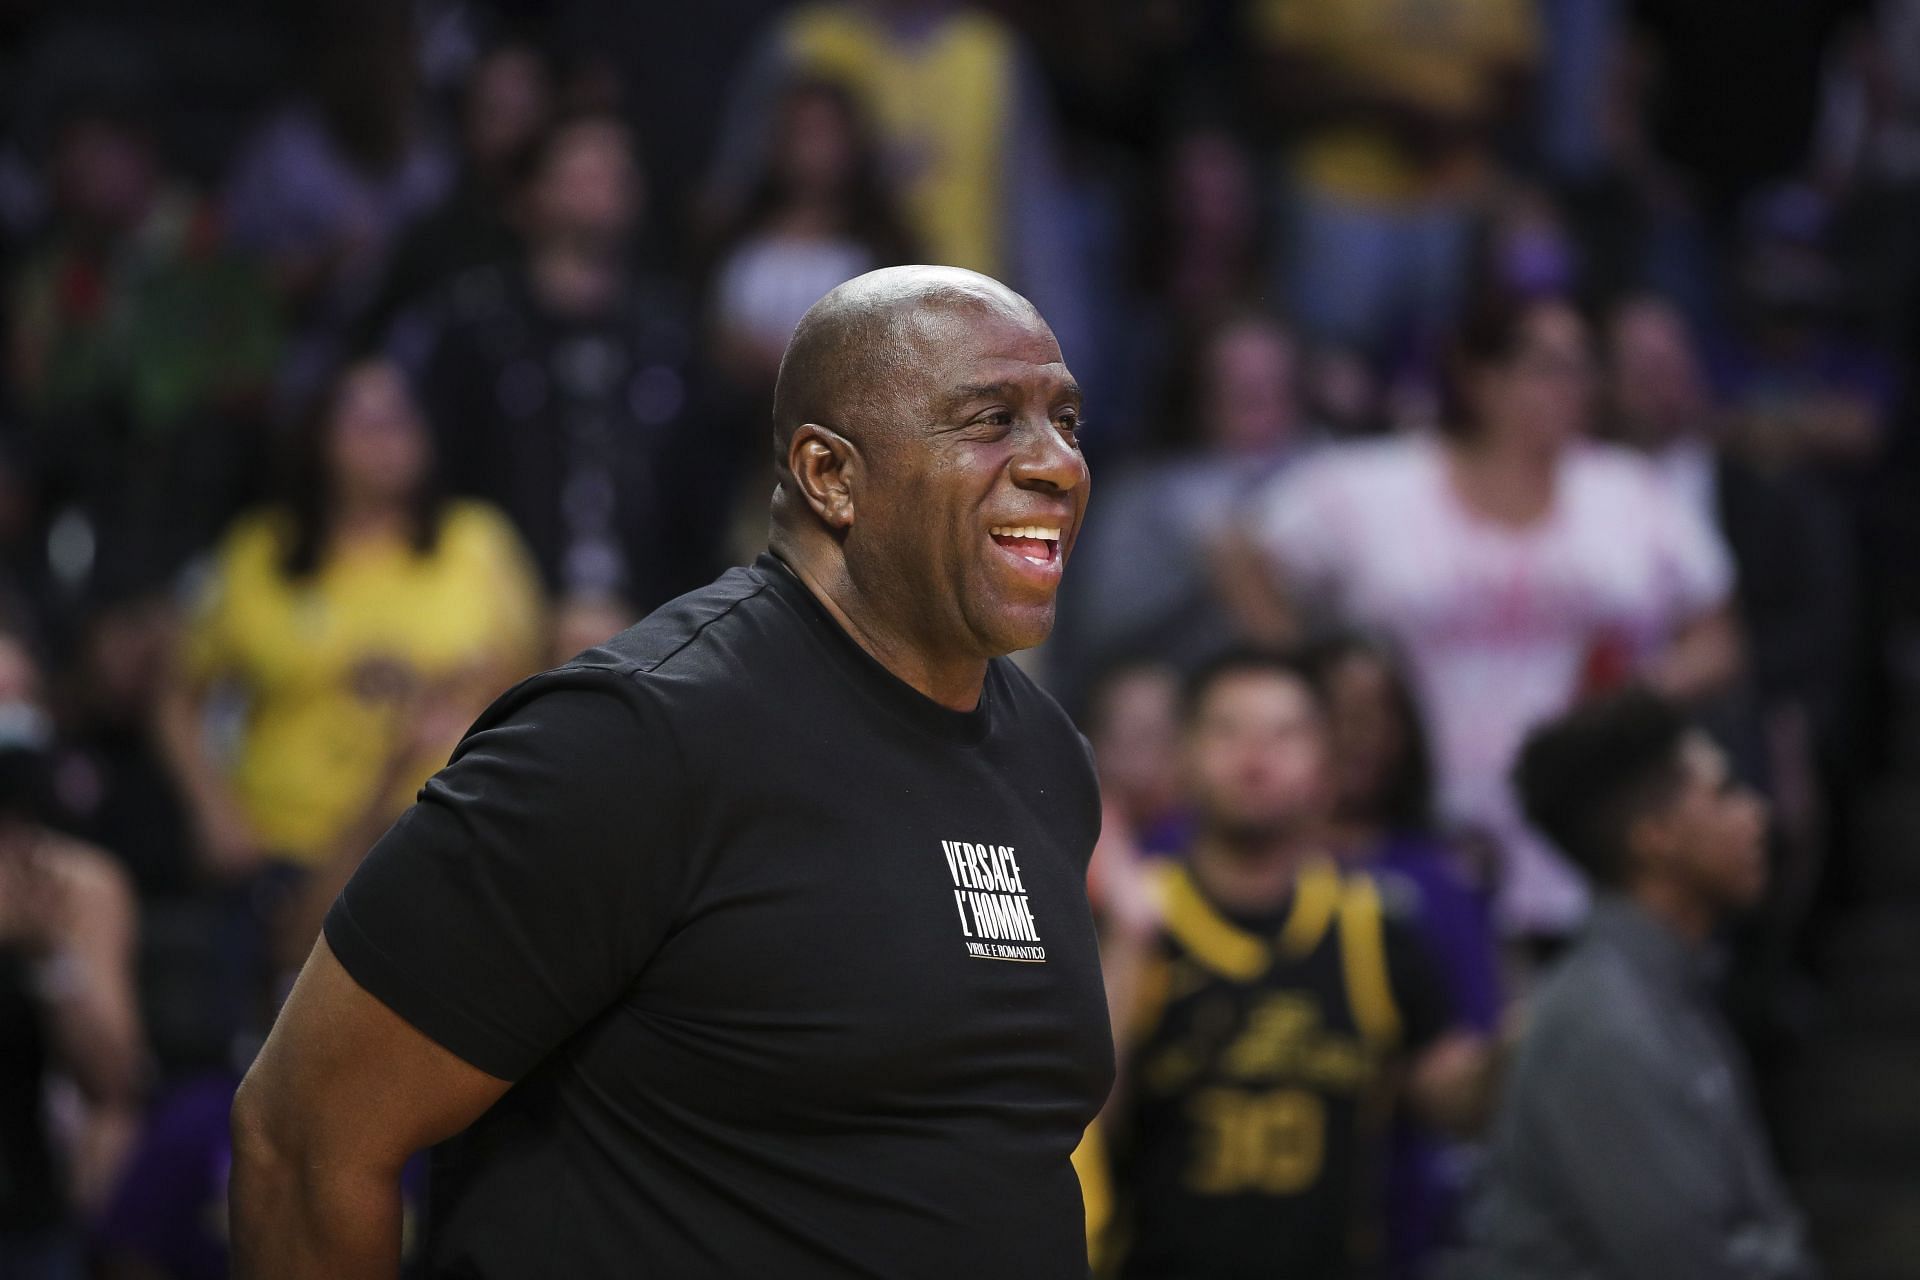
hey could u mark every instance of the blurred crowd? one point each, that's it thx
(362, 357)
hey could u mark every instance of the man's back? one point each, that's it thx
(1627, 1145)
(792, 965)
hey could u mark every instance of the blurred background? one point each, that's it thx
(362, 356)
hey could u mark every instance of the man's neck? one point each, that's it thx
(1249, 877)
(953, 683)
(1677, 909)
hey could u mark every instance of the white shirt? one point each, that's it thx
(768, 282)
(1498, 623)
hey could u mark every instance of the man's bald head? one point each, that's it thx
(854, 348)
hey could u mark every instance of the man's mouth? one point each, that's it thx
(1037, 544)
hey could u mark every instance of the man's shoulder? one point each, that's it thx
(682, 635)
(1592, 1005)
(1039, 715)
(689, 647)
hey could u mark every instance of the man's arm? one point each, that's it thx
(343, 1092)
(509, 906)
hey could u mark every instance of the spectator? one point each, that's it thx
(1202, 244)
(1807, 386)
(141, 353)
(1199, 260)
(1867, 158)
(1133, 725)
(1789, 540)
(167, 1214)
(965, 124)
(110, 776)
(1383, 824)
(68, 926)
(1730, 90)
(1514, 563)
(506, 106)
(1341, 392)
(820, 212)
(1139, 585)
(559, 384)
(331, 615)
(324, 189)
(1627, 1143)
(1280, 994)
(1796, 561)
(1391, 118)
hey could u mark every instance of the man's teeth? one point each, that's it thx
(1043, 532)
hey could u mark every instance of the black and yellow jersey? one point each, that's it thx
(1258, 1075)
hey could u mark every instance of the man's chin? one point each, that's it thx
(1019, 626)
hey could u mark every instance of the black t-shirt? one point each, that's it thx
(1251, 1140)
(793, 966)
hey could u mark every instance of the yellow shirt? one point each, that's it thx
(1436, 54)
(939, 104)
(318, 660)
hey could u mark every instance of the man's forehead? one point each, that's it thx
(956, 347)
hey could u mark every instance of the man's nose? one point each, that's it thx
(1046, 460)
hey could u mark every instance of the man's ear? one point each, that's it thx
(1649, 842)
(825, 467)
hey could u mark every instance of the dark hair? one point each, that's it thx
(1585, 778)
(530, 163)
(309, 484)
(869, 212)
(1284, 664)
(1490, 332)
(361, 72)
(1406, 800)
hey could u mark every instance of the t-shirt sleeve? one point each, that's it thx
(1297, 522)
(1419, 985)
(532, 880)
(1696, 567)
(245, 572)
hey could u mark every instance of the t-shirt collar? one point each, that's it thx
(866, 671)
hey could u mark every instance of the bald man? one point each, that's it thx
(753, 942)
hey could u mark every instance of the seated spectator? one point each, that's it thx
(68, 927)
(331, 616)
(1383, 824)
(1140, 584)
(1516, 566)
(140, 352)
(559, 385)
(1390, 119)
(1627, 1142)
(1280, 998)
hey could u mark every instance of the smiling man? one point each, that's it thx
(753, 942)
